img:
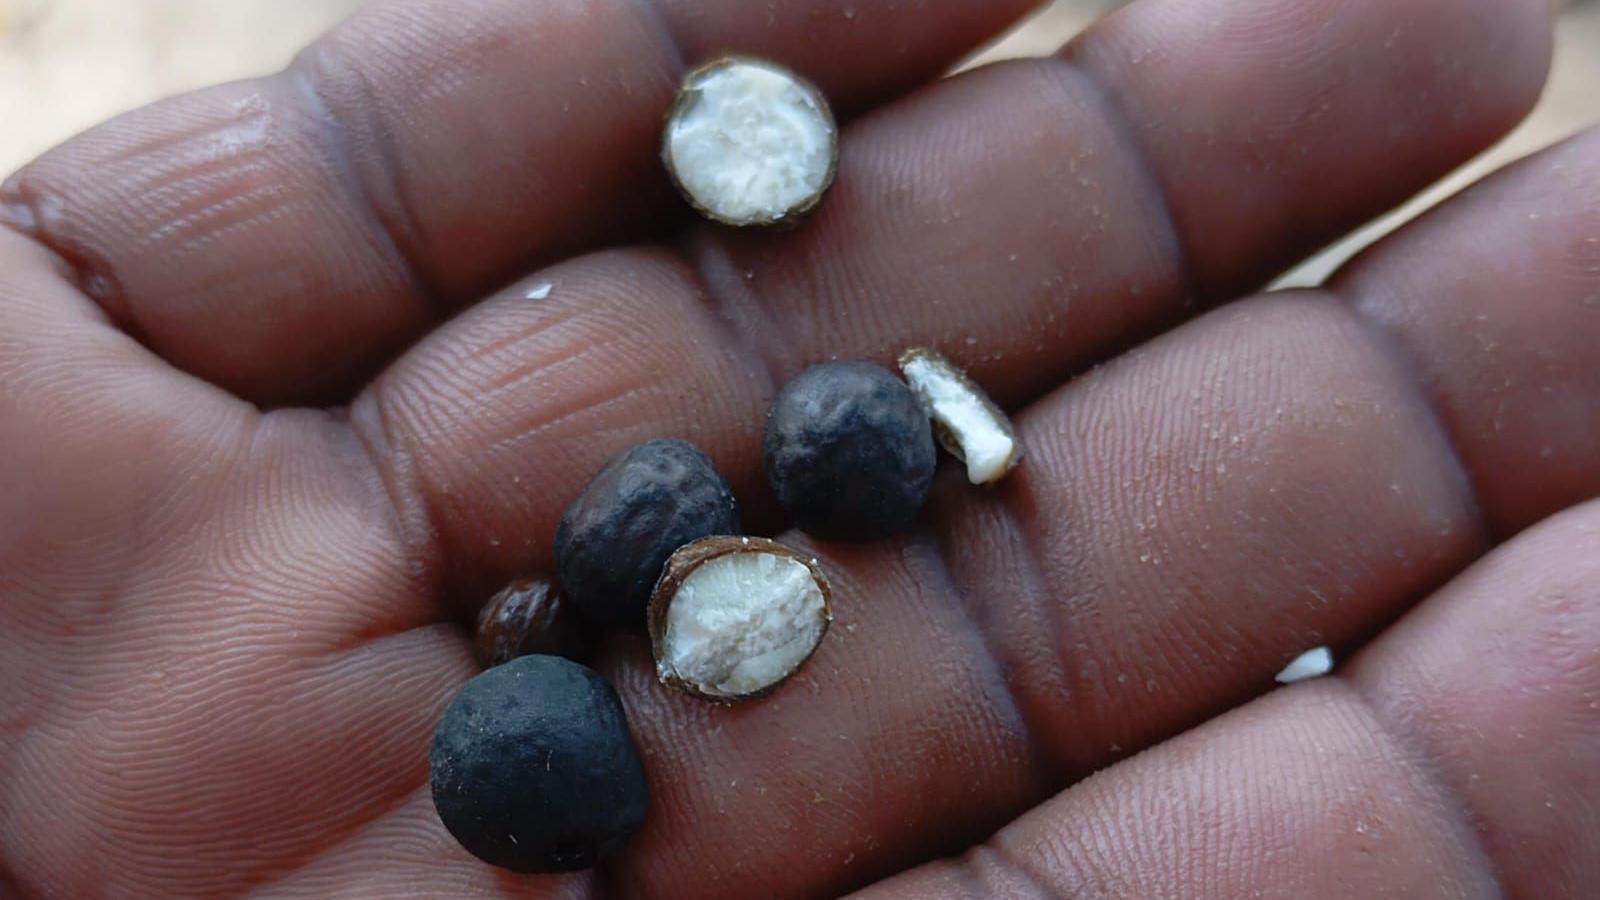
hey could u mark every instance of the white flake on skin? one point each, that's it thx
(1314, 663)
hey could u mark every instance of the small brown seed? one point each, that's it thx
(734, 617)
(527, 616)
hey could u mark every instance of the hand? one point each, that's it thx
(276, 404)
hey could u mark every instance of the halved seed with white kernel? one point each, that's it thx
(734, 617)
(750, 143)
(965, 420)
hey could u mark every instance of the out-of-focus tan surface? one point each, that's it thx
(66, 64)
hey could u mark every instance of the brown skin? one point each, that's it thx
(225, 634)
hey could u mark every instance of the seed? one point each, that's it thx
(849, 452)
(733, 618)
(750, 143)
(965, 420)
(534, 770)
(614, 539)
(527, 616)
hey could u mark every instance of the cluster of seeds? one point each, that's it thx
(534, 768)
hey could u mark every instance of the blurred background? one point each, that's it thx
(66, 64)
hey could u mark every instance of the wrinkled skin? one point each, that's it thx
(258, 453)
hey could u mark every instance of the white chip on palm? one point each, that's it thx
(1314, 663)
(750, 143)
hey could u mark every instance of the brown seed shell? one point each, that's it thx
(693, 556)
(947, 438)
(789, 220)
(529, 615)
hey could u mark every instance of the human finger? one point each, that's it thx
(1458, 756)
(283, 236)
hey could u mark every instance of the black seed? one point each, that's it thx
(527, 616)
(534, 769)
(646, 503)
(849, 451)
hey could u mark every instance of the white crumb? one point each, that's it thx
(1314, 663)
(741, 623)
(985, 441)
(751, 143)
(540, 291)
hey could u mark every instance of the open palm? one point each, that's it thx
(281, 394)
